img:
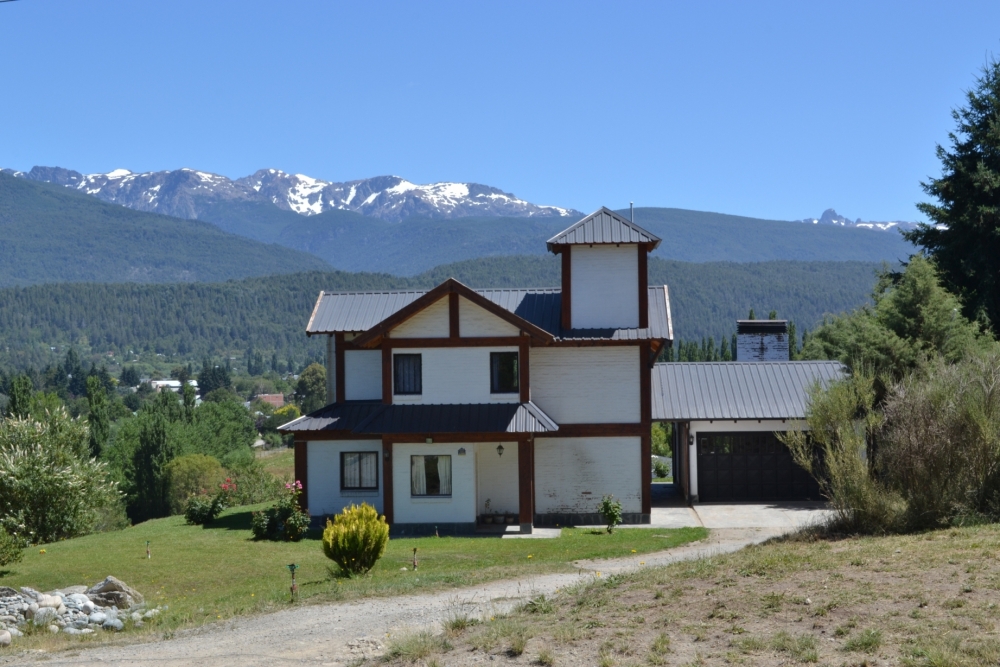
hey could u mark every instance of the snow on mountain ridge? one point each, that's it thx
(185, 192)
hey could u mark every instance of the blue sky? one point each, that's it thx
(768, 109)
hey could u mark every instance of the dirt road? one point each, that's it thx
(338, 634)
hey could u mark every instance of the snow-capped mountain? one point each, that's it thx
(185, 192)
(831, 217)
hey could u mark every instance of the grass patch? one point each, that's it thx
(415, 646)
(902, 600)
(204, 574)
(279, 462)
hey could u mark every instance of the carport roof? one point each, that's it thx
(690, 391)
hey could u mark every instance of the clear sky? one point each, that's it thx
(768, 109)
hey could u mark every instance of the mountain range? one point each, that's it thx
(831, 217)
(187, 193)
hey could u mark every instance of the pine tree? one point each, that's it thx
(733, 346)
(773, 315)
(751, 316)
(98, 420)
(724, 353)
(792, 349)
(21, 392)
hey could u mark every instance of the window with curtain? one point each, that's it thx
(503, 372)
(359, 471)
(407, 376)
(430, 475)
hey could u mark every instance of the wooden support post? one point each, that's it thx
(525, 486)
(524, 378)
(302, 471)
(386, 373)
(646, 418)
(341, 372)
(387, 480)
(643, 286)
(567, 289)
(331, 363)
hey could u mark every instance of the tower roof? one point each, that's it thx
(603, 226)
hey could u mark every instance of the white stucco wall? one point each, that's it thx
(497, 478)
(586, 385)
(748, 425)
(456, 375)
(362, 375)
(459, 508)
(572, 474)
(431, 322)
(605, 286)
(475, 322)
(323, 476)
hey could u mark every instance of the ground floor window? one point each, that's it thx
(430, 475)
(359, 470)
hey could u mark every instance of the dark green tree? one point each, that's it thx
(311, 388)
(98, 420)
(212, 378)
(129, 377)
(793, 348)
(21, 393)
(751, 316)
(151, 456)
(964, 234)
(773, 315)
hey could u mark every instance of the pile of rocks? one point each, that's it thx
(75, 610)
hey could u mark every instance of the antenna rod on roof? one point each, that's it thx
(631, 212)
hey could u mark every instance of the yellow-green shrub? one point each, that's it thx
(192, 475)
(356, 538)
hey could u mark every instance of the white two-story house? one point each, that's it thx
(454, 404)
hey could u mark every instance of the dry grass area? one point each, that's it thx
(929, 599)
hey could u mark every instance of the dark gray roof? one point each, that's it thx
(334, 417)
(353, 312)
(602, 226)
(372, 418)
(737, 390)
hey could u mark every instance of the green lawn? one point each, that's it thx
(205, 574)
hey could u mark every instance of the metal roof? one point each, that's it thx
(686, 391)
(352, 312)
(334, 417)
(373, 418)
(602, 226)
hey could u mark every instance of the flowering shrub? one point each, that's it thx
(201, 510)
(188, 476)
(356, 538)
(285, 520)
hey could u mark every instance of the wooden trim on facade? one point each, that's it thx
(340, 371)
(387, 480)
(316, 436)
(452, 438)
(302, 471)
(567, 291)
(381, 330)
(386, 374)
(453, 315)
(646, 418)
(643, 286)
(525, 476)
(523, 376)
(483, 341)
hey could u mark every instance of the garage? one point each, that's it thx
(726, 416)
(738, 466)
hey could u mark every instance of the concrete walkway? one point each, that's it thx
(783, 516)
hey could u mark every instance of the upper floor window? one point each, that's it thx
(407, 374)
(503, 372)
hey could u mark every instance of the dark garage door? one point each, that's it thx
(750, 466)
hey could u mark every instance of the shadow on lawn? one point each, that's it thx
(241, 521)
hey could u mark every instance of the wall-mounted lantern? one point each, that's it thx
(499, 450)
(461, 451)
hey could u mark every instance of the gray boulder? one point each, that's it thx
(5, 638)
(113, 624)
(98, 617)
(44, 616)
(8, 592)
(114, 592)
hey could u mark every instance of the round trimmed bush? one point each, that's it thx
(356, 538)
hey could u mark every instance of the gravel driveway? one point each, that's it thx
(337, 634)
